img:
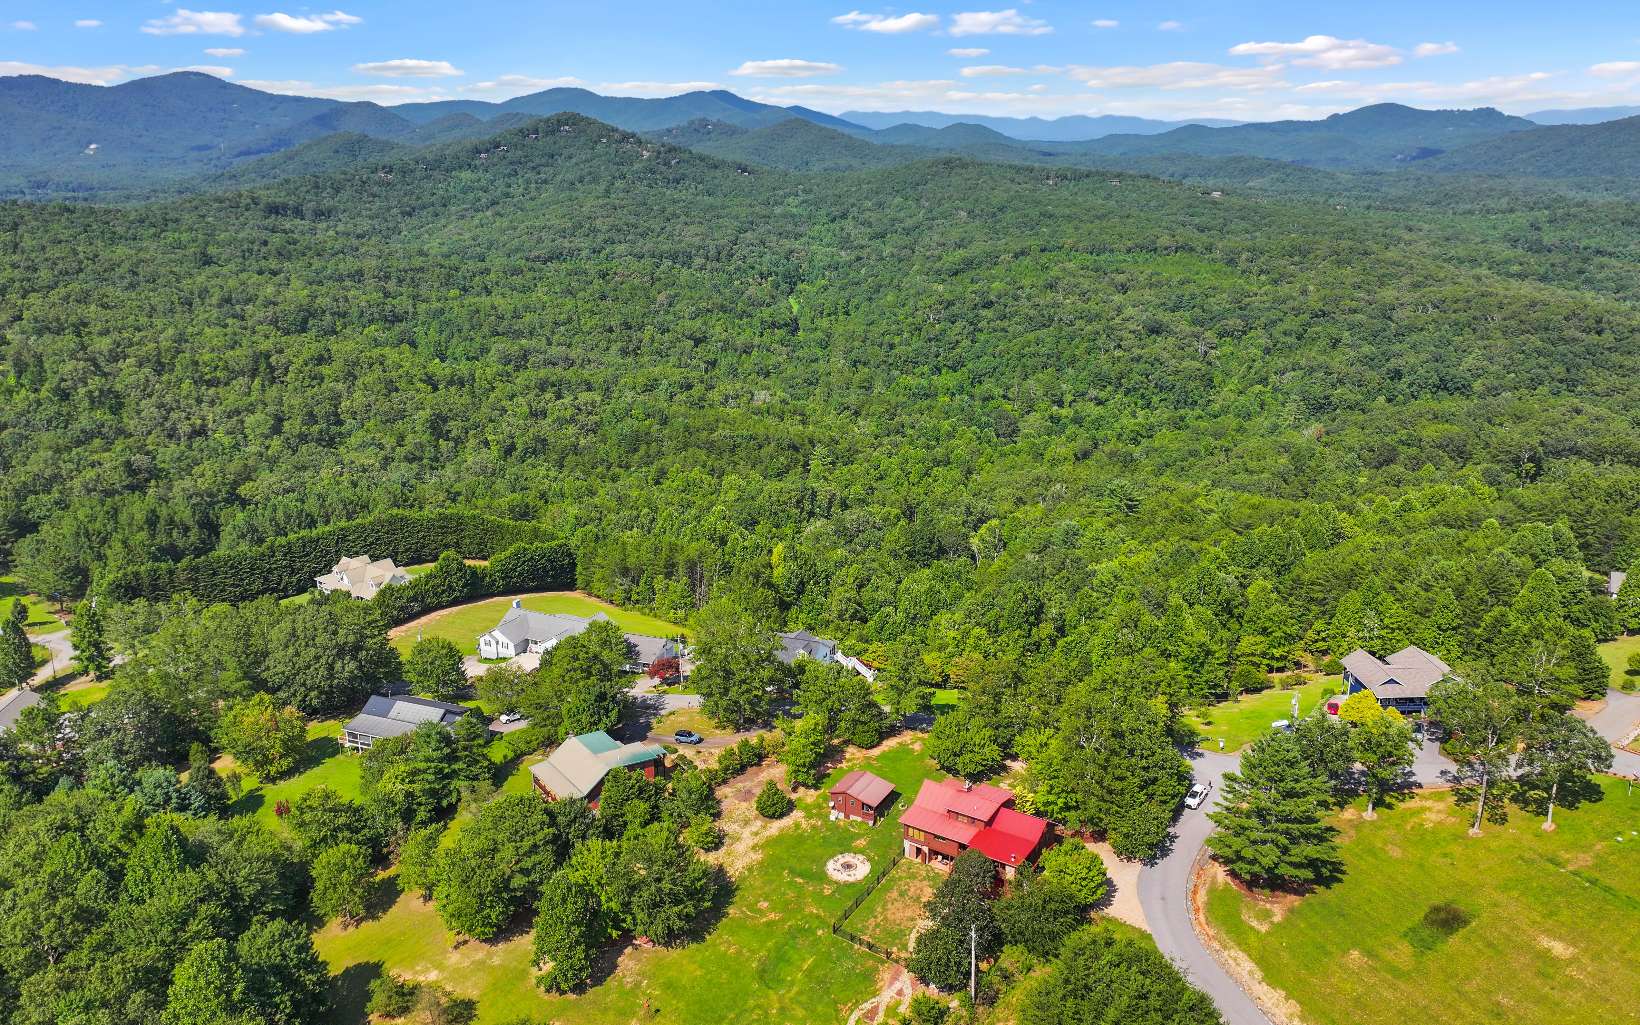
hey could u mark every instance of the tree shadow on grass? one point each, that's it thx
(1533, 796)
(383, 896)
(350, 992)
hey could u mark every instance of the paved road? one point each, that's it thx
(1617, 722)
(1164, 886)
(1164, 893)
(62, 656)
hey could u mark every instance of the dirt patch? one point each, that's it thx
(895, 987)
(1278, 1006)
(744, 830)
(1563, 951)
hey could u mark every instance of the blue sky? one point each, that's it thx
(1226, 59)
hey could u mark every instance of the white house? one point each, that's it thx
(361, 577)
(522, 632)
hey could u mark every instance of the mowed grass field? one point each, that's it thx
(40, 620)
(769, 958)
(324, 763)
(1554, 935)
(890, 915)
(1616, 653)
(1242, 721)
(463, 624)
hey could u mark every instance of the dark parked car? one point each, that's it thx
(687, 737)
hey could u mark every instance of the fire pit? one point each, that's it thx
(848, 868)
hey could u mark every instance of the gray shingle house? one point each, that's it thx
(384, 717)
(803, 644)
(1401, 681)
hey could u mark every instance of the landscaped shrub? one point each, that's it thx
(772, 802)
(703, 834)
(1330, 666)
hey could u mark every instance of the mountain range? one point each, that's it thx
(187, 131)
(1072, 128)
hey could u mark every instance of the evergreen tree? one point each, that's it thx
(660, 887)
(1325, 743)
(16, 652)
(1271, 820)
(1628, 601)
(88, 631)
(1077, 867)
(959, 911)
(1103, 977)
(805, 751)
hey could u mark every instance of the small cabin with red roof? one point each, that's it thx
(861, 795)
(950, 816)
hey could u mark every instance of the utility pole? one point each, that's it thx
(973, 963)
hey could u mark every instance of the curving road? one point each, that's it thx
(1164, 885)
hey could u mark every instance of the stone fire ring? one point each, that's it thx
(848, 868)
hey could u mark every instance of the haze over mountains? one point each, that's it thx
(188, 130)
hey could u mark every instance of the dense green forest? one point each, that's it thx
(1085, 452)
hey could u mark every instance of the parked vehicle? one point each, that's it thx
(687, 737)
(508, 717)
(1197, 795)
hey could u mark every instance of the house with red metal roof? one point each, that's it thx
(860, 795)
(950, 816)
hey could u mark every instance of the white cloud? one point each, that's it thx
(1614, 69)
(88, 23)
(196, 23)
(968, 51)
(208, 69)
(306, 24)
(998, 23)
(787, 67)
(106, 75)
(523, 83)
(889, 24)
(407, 67)
(1179, 75)
(1434, 49)
(652, 89)
(1106, 23)
(1170, 26)
(984, 70)
(1324, 52)
(224, 51)
(24, 26)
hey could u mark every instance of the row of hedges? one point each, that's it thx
(546, 566)
(287, 565)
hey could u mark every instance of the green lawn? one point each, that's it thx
(770, 958)
(1616, 653)
(946, 699)
(464, 624)
(325, 763)
(83, 697)
(893, 910)
(1240, 722)
(40, 620)
(1554, 936)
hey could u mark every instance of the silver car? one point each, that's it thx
(1197, 795)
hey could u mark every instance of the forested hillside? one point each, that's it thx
(969, 415)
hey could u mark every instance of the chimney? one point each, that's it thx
(967, 786)
(518, 603)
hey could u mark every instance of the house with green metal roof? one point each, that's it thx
(577, 767)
